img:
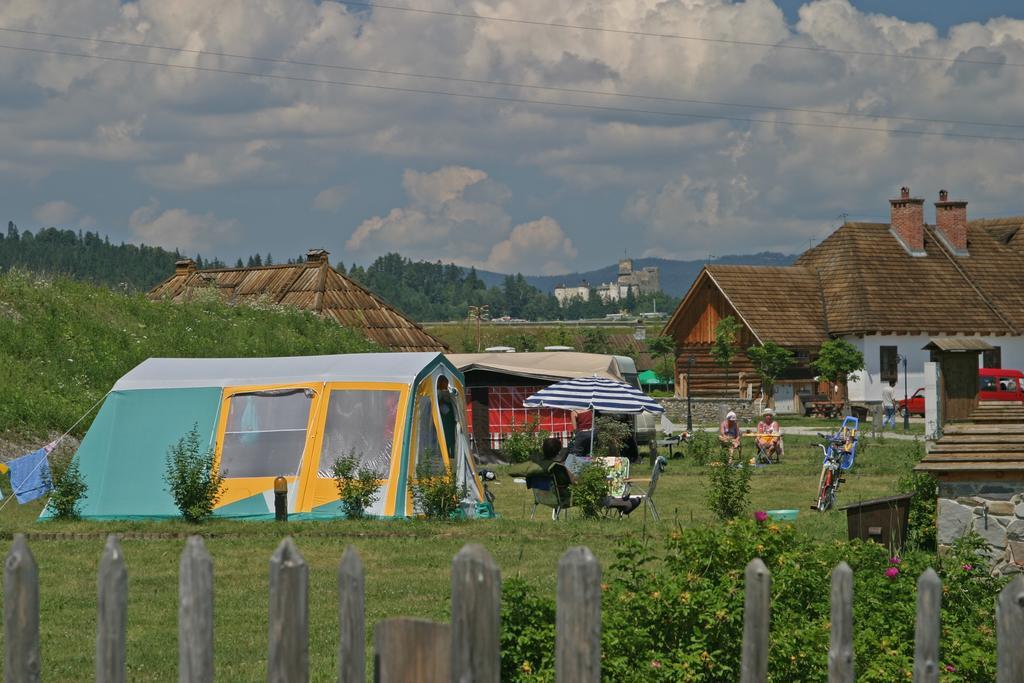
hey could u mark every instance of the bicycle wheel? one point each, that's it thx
(826, 496)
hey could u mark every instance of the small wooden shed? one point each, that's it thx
(958, 370)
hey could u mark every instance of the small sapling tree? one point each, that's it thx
(191, 479)
(839, 361)
(357, 485)
(770, 360)
(724, 348)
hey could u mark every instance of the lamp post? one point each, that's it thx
(906, 401)
(690, 362)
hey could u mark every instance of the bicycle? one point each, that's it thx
(828, 483)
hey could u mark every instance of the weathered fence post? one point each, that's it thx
(578, 618)
(926, 633)
(112, 614)
(840, 652)
(21, 614)
(195, 613)
(476, 617)
(288, 656)
(412, 651)
(351, 618)
(756, 616)
(1010, 632)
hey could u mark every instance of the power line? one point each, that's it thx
(518, 100)
(509, 84)
(675, 36)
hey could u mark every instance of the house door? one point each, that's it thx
(783, 395)
(959, 384)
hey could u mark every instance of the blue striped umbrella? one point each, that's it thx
(593, 393)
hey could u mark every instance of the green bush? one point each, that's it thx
(590, 489)
(437, 494)
(68, 490)
(524, 441)
(189, 474)
(610, 436)
(357, 486)
(675, 613)
(703, 447)
(921, 530)
(728, 491)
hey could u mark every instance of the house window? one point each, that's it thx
(993, 358)
(888, 363)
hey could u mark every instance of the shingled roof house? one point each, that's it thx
(312, 285)
(885, 287)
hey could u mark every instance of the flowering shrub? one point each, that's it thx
(524, 441)
(676, 613)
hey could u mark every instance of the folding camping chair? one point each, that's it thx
(764, 443)
(551, 489)
(660, 463)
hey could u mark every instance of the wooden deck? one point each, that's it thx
(991, 440)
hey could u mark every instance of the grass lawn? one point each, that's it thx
(407, 562)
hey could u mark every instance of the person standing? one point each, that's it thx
(889, 403)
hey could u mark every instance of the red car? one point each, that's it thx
(998, 384)
(915, 404)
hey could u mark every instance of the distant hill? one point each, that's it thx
(676, 276)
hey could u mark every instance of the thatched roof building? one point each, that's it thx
(312, 285)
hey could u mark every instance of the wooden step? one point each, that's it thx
(940, 447)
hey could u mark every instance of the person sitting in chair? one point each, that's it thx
(729, 434)
(769, 435)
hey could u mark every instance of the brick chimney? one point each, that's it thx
(908, 221)
(317, 256)
(184, 266)
(951, 220)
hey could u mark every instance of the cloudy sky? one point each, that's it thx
(197, 145)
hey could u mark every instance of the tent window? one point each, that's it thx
(359, 423)
(428, 447)
(265, 434)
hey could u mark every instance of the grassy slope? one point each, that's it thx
(63, 343)
(407, 563)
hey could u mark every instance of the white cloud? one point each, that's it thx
(457, 213)
(330, 199)
(540, 242)
(55, 213)
(683, 185)
(227, 164)
(181, 229)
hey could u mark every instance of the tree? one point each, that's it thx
(838, 362)
(663, 348)
(595, 340)
(770, 360)
(724, 347)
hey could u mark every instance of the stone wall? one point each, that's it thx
(995, 510)
(709, 411)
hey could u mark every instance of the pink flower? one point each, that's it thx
(761, 516)
(892, 572)
(967, 567)
(655, 664)
(895, 561)
(950, 668)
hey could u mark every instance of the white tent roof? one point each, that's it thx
(551, 365)
(181, 373)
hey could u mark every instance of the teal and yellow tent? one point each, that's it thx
(268, 417)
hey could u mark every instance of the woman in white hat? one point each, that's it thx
(729, 434)
(769, 435)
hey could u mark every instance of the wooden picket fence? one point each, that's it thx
(465, 651)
